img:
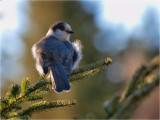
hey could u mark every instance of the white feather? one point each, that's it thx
(78, 48)
(34, 51)
(50, 32)
(38, 66)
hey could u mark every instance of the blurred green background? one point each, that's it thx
(128, 32)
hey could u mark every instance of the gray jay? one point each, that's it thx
(56, 55)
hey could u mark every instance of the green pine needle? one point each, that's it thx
(16, 107)
(15, 90)
(82, 75)
(36, 86)
(25, 84)
(43, 105)
(135, 99)
(88, 70)
(139, 88)
(34, 97)
(92, 66)
(135, 81)
(141, 74)
(112, 106)
(4, 103)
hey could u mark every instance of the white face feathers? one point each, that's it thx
(61, 30)
(62, 35)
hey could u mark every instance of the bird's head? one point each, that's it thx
(61, 30)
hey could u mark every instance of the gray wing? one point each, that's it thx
(68, 62)
(55, 50)
(49, 50)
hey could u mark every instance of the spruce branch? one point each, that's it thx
(34, 97)
(141, 73)
(82, 75)
(25, 84)
(111, 107)
(26, 93)
(92, 66)
(33, 92)
(135, 80)
(15, 91)
(89, 70)
(139, 88)
(135, 99)
(43, 105)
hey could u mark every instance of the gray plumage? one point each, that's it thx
(56, 55)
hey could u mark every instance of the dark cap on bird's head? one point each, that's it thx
(63, 26)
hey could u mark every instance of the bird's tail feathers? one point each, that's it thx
(59, 78)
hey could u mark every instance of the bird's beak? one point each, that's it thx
(70, 32)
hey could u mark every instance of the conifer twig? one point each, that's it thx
(43, 105)
(92, 66)
(135, 99)
(140, 75)
(89, 70)
(139, 88)
(31, 92)
(28, 91)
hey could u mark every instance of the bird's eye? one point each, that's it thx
(61, 28)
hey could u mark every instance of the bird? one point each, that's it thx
(57, 56)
